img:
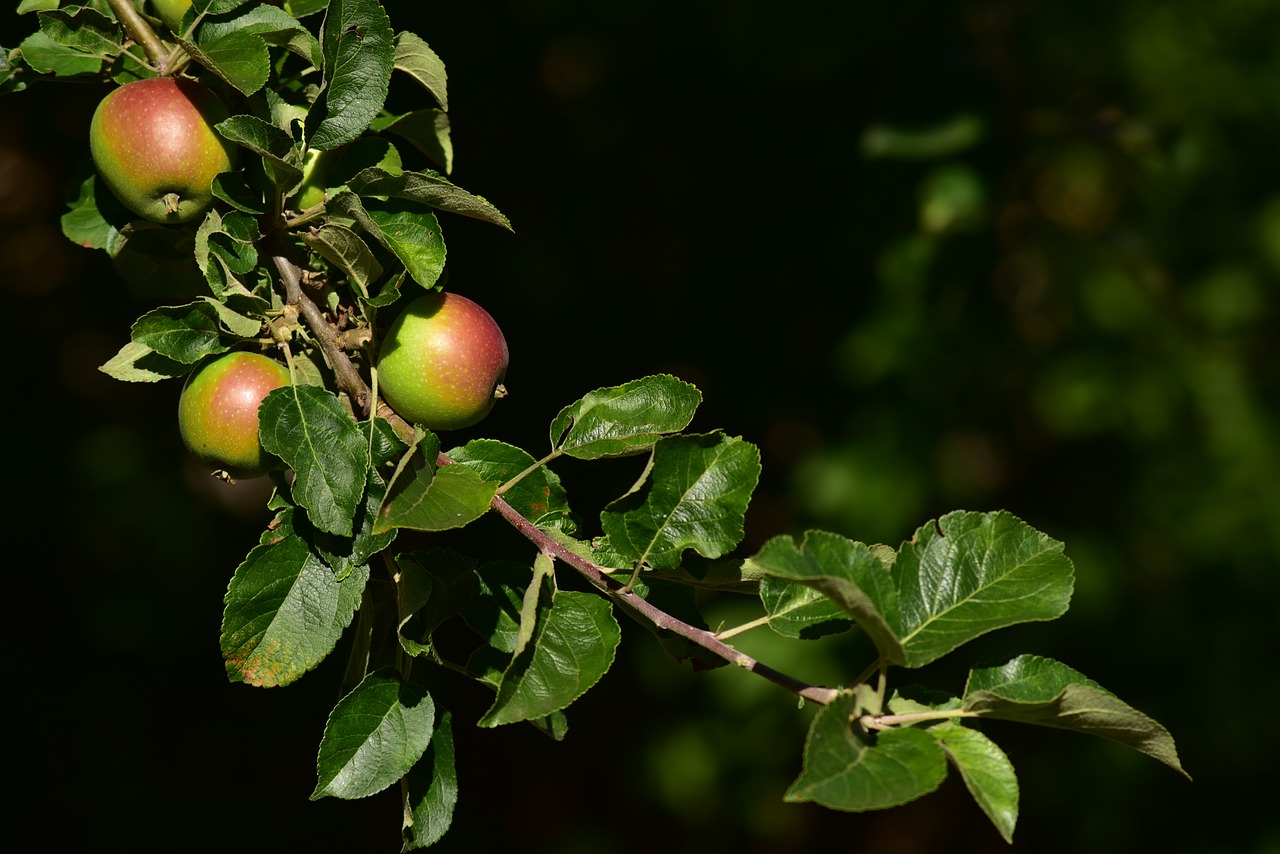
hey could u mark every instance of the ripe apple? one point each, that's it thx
(155, 147)
(218, 411)
(171, 12)
(442, 362)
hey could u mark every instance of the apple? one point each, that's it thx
(155, 147)
(171, 12)
(442, 362)
(218, 411)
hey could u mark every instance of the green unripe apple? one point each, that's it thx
(442, 362)
(155, 147)
(323, 170)
(218, 411)
(171, 12)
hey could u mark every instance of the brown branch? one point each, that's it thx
(140, 31)
(659, 618)
(348, 378)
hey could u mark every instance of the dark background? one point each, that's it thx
(1004, 254)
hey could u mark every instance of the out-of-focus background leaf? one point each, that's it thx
(985, 254)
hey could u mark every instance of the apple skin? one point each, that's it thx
(171, 12)
(155, 147)
(218, 411)
(442, 362)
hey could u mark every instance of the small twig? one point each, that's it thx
(890, 721)
(530, 470)
(745, 627)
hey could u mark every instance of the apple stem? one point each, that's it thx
(171, 201)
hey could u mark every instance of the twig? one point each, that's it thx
(140, 31)
(349, 379)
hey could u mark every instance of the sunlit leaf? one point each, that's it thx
(359, 53)
(625, 419)
(695, 497)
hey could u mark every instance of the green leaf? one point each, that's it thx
(987, 772)
(1037, 690)
(435, 584)
(971, 573)
(413, 235)
(217, 7)
(960, 577)
(359, 54)
(86, 225)
(695, 497)
(429, 131)
(48, 57)
(279, 155)
(273, 25)
(538, 496)
(624, 419)
(428, 188)
(346, 554)
(302, 8)
(799, 611)
(284, 613)
(847, 572)
(310, 429)
(373, 737)
(343, 248)
(330, 171)
(240, 58)
(493, 612)
(431, 790)
(184, 333)
(948, 138)
(427, 499)
(572, 645)
(235, 189)
(847, 768)
(260, 137)
(226, 251)
(138, 363)
(84, 29)
(11, 71)
(407, 231)
(415, 58)
(36, 5)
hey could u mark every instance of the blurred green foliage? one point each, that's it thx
(988, 254)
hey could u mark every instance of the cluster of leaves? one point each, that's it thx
(320, 229)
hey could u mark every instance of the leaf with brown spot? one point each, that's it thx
(284, 613)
